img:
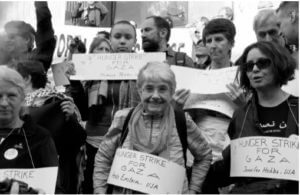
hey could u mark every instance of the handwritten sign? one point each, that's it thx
(268, 157)
(216, 102)
(42, 178)
(115, 66)
(146, 173)
(59, 74)
(204, 81)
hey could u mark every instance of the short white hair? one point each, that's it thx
(157, 71)
(12, 76)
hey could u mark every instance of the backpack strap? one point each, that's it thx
(180, 126)
(181, 130)
(180, 58)
(125, 128)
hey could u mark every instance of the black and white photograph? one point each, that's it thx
(149, 97)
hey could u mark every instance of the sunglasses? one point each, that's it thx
(261, 63)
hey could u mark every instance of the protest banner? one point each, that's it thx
(146, 173)
(112, 66)
(216, 102)
(267, 157)
(204, 81)
(41, 178)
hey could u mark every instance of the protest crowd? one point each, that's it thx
(146, 133)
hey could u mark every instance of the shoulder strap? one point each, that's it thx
(182, 130)
(180, 58)
(180, 124)
(125, 127)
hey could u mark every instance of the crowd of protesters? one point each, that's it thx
(79, 130)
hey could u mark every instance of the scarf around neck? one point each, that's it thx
(141, 138)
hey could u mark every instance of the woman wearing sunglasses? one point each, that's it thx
(266, 66)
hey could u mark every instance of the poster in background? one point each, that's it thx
(146, 173)
(267, 157)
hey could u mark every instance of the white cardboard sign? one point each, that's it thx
(204, 81)
(146, 173)
(42, 178)
(216, 102)
(112, 66)
(268, 157)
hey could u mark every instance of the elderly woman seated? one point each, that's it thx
(23, 144)
(153, 129)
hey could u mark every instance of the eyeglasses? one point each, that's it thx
(261, 63)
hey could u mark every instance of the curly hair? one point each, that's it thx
(283, 65)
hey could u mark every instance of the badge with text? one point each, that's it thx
(146, 173)
(11, 154)
(267, 157)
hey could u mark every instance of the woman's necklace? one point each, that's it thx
(4, 138)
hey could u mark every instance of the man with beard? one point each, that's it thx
(156, 33)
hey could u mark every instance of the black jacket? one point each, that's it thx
(40, 143)
(219, 173)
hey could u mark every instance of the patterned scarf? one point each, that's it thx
(97, 91)
(128, 95)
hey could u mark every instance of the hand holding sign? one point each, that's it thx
(146, 173)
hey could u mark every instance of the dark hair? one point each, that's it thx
(77, 43)
(283, 65)
(124, 22)
(219, 25)
(105, 33)
(161, 23)
(97, 41)
(35, 69)
(25, 30)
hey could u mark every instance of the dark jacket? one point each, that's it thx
(178, 58)
(40, 143)
(44, 38)
(219, 173)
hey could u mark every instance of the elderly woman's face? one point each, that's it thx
(218, 46)
(156, 96)
(11, 102)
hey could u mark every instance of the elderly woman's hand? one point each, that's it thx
(180, 97)
(236, 94)
(68, 107)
